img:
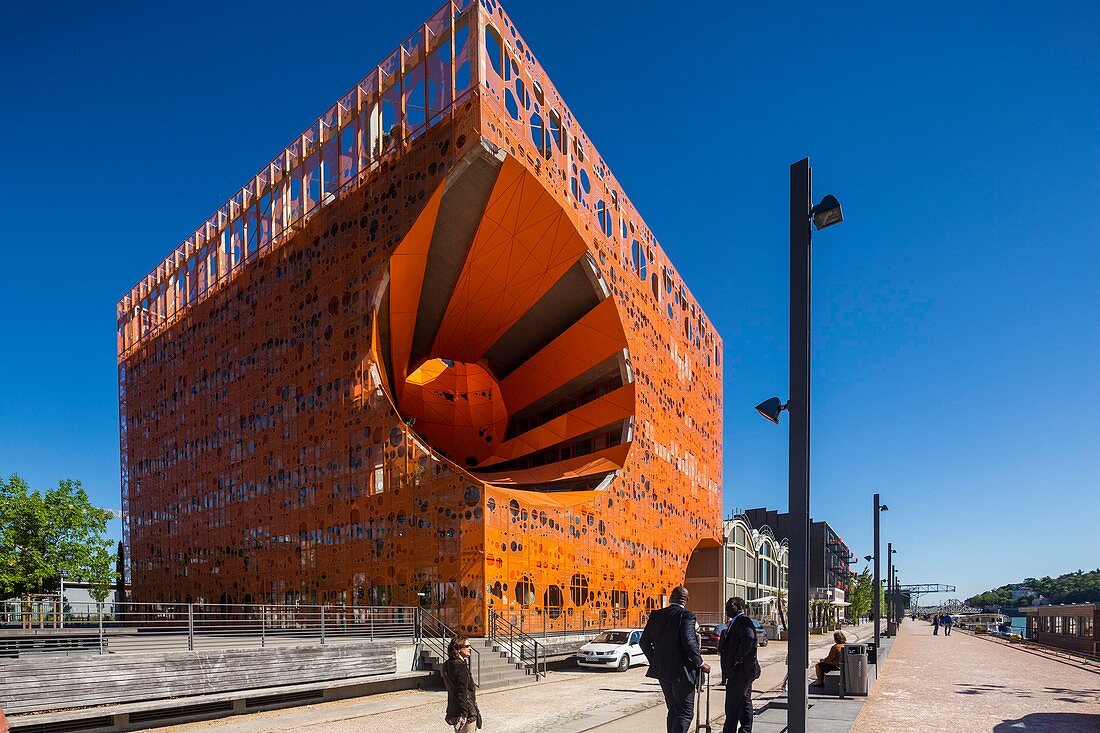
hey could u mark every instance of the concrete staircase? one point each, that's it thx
(491, 664)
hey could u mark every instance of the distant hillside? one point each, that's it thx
(1079, 587)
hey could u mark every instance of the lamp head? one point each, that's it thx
(827, 213)
(770, 408)
(883, 508)
(868, 558)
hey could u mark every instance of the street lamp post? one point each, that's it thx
(889, 585)
(899, 612)
(824, 214)
(878, 583)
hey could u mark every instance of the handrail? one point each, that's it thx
(499, 627)
(145, 627)
(436, 635)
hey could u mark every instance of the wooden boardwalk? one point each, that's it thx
(968, 684)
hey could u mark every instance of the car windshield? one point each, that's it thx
(612, 637)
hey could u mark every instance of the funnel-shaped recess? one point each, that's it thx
(500, 342)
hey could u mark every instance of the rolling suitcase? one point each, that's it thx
(702, 724)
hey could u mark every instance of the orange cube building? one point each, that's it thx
(430, 355)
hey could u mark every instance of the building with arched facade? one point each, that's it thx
(757, 565)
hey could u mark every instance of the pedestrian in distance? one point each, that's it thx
(462, 710)
(672, 648)
(948, 622)
(737, 651)
(936, 626)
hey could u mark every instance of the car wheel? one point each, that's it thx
(624, 663)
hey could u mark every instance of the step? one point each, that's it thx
(486, 663)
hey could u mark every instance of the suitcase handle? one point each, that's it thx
(703, 680)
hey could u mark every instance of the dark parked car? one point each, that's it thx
(709, 634)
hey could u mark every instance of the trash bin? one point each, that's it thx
(856, 669)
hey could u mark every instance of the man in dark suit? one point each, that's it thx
(670, 644)
(737, 650)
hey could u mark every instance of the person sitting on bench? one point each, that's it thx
(833, 660)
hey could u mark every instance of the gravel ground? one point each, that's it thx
(968, 684)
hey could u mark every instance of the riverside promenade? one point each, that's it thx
(972, 684)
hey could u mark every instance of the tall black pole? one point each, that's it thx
(877, 601)
(889, 585)
(898, 610)
(798, 645)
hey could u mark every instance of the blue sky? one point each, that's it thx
(956, 310)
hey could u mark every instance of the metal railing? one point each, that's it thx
(436, 636)
(520, 646)
(142, 627)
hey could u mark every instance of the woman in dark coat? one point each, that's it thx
(462, 710)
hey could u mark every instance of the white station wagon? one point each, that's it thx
(616, 648)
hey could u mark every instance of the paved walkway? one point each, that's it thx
(571, 701)
(968, 684)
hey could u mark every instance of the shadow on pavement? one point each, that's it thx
(1068, 695)
(1053, 722)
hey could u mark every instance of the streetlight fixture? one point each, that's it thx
(827, 212)
(770, 408)
(879, 508)
(823, 215)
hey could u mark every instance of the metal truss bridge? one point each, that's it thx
(916, 591)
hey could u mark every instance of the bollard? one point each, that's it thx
(263, 626)
(322, 625)
(190, 627)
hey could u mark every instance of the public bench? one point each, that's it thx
(142, 715)
(39, 684)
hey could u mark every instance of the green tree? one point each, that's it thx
(861, 595)
(43, 534)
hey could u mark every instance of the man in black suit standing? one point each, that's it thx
(737, 650)
(670, 644)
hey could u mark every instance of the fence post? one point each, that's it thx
(99, 608)
(371, 612)
(322, 624)
(263, 626)
(190, 627)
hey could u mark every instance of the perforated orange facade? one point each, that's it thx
(430, 354)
